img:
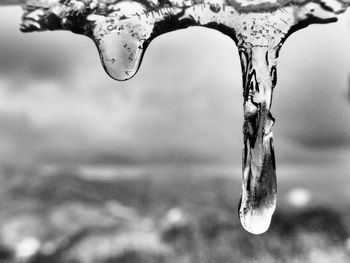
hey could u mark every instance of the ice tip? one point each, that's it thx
(257, 221)
(257, 224)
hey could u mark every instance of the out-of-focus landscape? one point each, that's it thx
(148, 171)
(157, 215)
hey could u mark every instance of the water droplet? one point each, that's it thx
(122, 30)
(121, 49)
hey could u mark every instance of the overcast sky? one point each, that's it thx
(57, 105)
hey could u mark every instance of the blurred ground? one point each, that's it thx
(156, 215)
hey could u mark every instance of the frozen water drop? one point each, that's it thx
(121, 53)
(256, 221)
(122, 30)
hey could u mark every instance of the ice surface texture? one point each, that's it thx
(122, 30)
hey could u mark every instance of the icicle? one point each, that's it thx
(122, 30)
(259, 188)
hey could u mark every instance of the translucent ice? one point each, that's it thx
(123, 29)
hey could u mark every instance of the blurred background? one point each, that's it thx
(98, 171)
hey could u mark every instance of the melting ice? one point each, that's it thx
(123, 29)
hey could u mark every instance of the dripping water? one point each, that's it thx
(122, 31)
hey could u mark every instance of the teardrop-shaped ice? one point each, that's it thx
(121, 41)
(121, 51)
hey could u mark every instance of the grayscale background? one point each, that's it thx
(98, 171)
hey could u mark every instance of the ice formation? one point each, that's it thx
(122, 30)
